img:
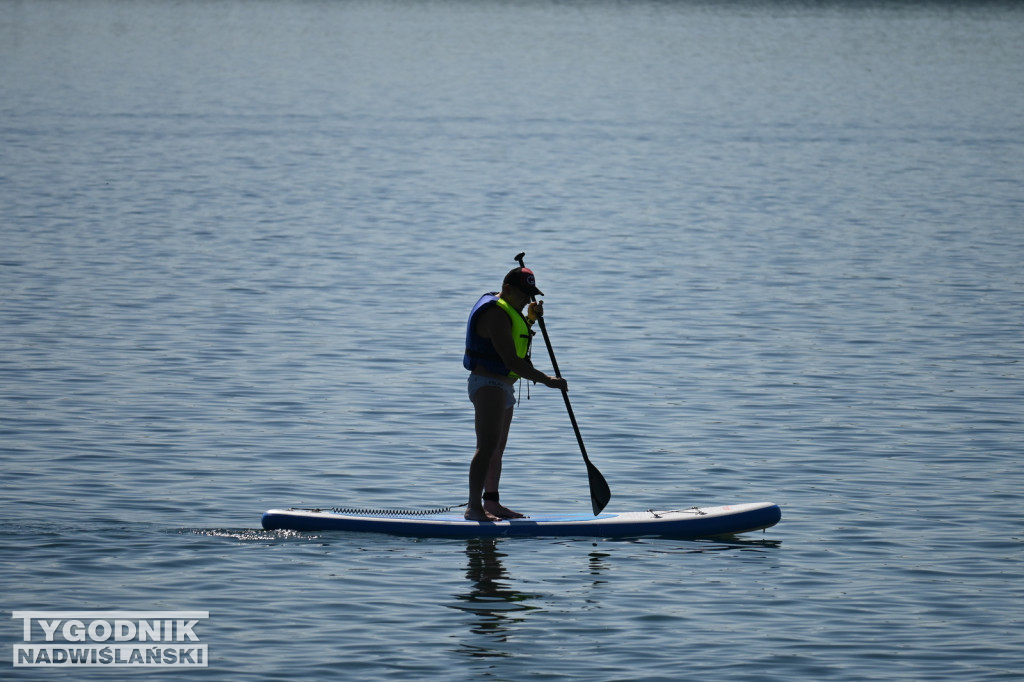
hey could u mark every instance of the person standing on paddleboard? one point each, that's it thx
(497, 354)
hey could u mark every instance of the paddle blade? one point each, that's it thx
(600, 493)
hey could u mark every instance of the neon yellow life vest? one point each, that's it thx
(480, 351)
(520, 331)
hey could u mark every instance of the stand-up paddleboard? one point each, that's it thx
(693, 523)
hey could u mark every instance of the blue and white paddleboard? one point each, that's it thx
(693, 523)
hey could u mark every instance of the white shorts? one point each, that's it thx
(478, 381)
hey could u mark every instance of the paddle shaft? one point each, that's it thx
(565, 393)
(600, 493)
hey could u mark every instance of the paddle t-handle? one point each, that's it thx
(600, 493)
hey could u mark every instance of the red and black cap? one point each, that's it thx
(524, 279)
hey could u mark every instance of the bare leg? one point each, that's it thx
(494, 470)
(492, 424)
(494, 475)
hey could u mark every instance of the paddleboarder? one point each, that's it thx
(498, 354)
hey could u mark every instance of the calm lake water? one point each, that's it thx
(781, 245)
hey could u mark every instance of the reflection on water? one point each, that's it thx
(598, 565)
(500, 611)
(721, 544)
(490, 598)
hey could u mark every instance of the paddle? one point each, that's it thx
(600, 493)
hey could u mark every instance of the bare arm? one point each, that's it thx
(495, 325)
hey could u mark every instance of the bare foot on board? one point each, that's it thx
(479, 515)
(502, 512)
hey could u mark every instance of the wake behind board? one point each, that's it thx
(686, 524)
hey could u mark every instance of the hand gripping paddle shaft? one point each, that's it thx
(600, 493)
